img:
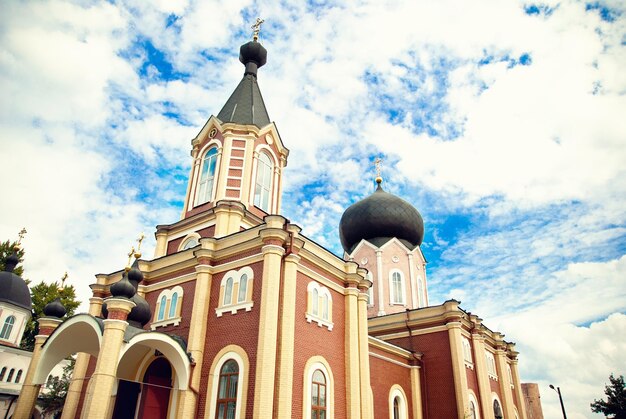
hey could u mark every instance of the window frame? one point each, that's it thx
(396, 392)
(237, 354)
(467, 352)
(225, 401)
(490, 360)
(318, 385)
(473, 401)
(202, 196)
(235, 304)
(320, 311)
(264, 186)
(7, 328)
(163, 313)
(393, 298)
(316, 363)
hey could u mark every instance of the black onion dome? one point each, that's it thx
(141, 313)
(123, 288)
(55, 309)
(253, 55)
(379, 218)
(13, 289)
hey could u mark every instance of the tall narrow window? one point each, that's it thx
(173, 304)
(397, 288)
(315, 298)
(10, 375)
(497, 410)
(227, 391)
(228, 292)
(4, 371)
(18, 376)
(263, 186)
(161, 315)
(325, 307)
(396, 408)
(243, 288)
(318, 395)
(207, 176)
(7, 327)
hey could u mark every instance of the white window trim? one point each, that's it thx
(491, 365)
(330, 391)
(234, 305)
(494, 397)
(216, 382)
(197, 199)
(272, 161)
(187, 238)
(467, 353)
(472, 398)
(319, 319)
(168, 321)
(370, 290)
(392, 300)
(397, 391)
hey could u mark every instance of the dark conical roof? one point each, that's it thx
(245, 106)
(379, 218)
(13, 289)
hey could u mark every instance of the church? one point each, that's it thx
(240, 315)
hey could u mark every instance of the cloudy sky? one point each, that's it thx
(503, 122)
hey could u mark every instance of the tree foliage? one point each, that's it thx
(615, 405)
(42, 294)
(52, 398)
(6, 249)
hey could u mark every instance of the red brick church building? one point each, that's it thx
(240, 315)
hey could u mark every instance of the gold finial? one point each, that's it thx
(139, 240)
(63, 278)
(378, 163)
(256, 28)
(130, 256)
(21, 235)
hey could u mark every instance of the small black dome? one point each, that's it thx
(379, 218)
(253, 55)
(123, 288)
(55, 309)
(13, 289)
(141, 313)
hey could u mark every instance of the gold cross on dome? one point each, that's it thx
(256, 28)
(63, 278)
(378, 163)
(130, 256)
(21, 235)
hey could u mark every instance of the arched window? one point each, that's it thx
(263, 186)
(161, 315)
(370, 290)
(510, 373)
(228, 291)
(319, 306)
(467, 352)
(7, 327)
(397, 288)
(18, 376)
(318, 395)
(2, 373)
(10, 376)
(189, 243)
(472, 407)
(207, 176)
(497, 410)
(236, 290)
(227, 391)
(398, 407)
(243, 288)
(491, 365)
(173, 303)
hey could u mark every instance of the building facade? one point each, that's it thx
(239, 314)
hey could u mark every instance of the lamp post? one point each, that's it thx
(558, 390)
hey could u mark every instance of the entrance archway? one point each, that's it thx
(155, 395)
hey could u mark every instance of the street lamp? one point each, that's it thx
(558, 390)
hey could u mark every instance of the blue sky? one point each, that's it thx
(502, 122)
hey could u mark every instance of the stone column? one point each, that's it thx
(98, 403)
(284, 394)
(29, 392)
(197, 333)
(379, 279)
(453, 324)
(480, 363)
(521, 406)
(413, 281)
(80, 370)
(503, 378)
(416, 391)
(353, 387)
(161, 244)
(364, 358)
(274, 237)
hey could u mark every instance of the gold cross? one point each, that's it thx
(139, 240)
(21, 235)
(256, 28)
(63, 278)
(130, 255)
(378, 163)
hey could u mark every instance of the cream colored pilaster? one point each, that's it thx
(379, 281)
(279, 200)
(425, 285)
(521, 406)
(274, 202)
(193, 178)
(234, 221)
(287, 339)
(505, 383)
(30, 391)
(353, 389)
(222, 217)
(480, 363)
(416, 392)
(224, 161)
(413, 281)
(161, 244)
(98, 403)
(458, 367)
(268, 318)
(80, 370)
(197, 337)
(252, 183)
(364, 359)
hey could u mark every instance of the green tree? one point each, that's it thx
(615, 405)
(6, 249)
(42, 294)
(52, 398)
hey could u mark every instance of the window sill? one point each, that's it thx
(469, 365)
(175, 321)
(320, 322)
(493, 377)
(234, 308)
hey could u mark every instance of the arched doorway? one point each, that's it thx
(153, 393)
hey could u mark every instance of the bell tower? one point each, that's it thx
(238, 159)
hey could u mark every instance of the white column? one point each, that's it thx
(413, 281)
(379, 274)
